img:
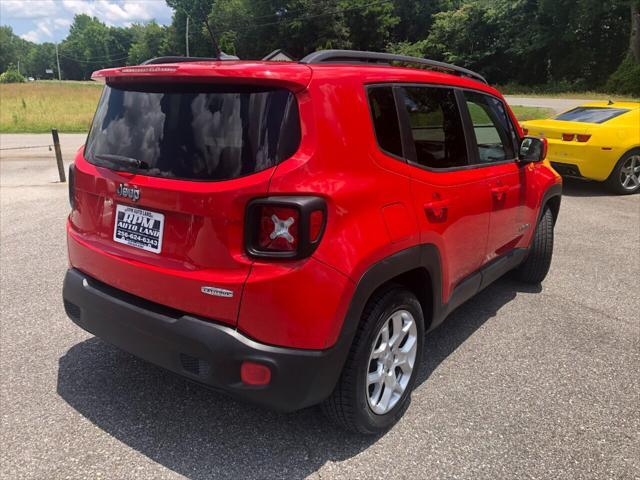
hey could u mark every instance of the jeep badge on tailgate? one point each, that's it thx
(126, 191)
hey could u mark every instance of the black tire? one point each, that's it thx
(536, 266)
(615, 183)
(348, 406)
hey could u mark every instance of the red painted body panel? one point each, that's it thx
(376, 206)
(303, 302)
(202, 245)
(453, 209)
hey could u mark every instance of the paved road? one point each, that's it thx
(518, 383)
(557, 104)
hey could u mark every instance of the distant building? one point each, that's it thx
(279, 55)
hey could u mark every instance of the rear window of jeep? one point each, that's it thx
(193, 131)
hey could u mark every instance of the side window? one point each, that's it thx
(436, 127)
(495, 135)
(385, 120)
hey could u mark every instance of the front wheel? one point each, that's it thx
(625, 177)
(536, 266)
(378, 377)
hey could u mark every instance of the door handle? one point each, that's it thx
(437, 208)
(499, 192)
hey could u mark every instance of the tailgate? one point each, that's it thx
(161, 188)
(202, 245)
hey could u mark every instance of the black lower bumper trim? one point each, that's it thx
(199, 349)
(567, 170)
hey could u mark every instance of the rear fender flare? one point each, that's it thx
(553, 192)
(424, 256)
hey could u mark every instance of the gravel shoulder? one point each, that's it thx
(559, 105)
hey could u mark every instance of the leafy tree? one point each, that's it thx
(13, 49)
(149, 41)
(321, 26)
(257, 27)
(88, 47)
(625, 79)
(40, 58)
(198, 12)
(587, 38)
(568, 43)
(573, 42)
(634, 36)
(416, 17)
(370, 25)
(11, 76)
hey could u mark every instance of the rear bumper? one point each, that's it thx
(582, 160)
(201, 350)
(567, 170)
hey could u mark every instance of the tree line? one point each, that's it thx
(565, 44)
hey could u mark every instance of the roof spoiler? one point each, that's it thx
(355, 56)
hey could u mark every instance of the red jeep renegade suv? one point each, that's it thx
(288, 232)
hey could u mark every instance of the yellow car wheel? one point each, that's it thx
(625, 177)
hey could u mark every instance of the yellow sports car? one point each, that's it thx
(599, 141)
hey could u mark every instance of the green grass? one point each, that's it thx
(569, 95)
(37, 107)
(531, 113)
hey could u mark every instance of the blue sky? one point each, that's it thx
(49, 20)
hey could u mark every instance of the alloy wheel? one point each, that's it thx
(630, 173)
(391, 362)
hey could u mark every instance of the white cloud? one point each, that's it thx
(118, 13)
(20, 9)
(32, 36)
(45, 20)
(45, 29)
(62, 23)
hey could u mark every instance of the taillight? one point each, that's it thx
(284, 227)
(569, 137)
(316, 224)
(72, 186)
(278, 230)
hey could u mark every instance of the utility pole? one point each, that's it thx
(58, 62)
(186, 36)
(18, 65)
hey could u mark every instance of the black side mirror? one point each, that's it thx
(532, 149)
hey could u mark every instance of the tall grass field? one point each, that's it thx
(37, 107)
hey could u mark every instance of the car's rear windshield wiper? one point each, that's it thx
(122, 160)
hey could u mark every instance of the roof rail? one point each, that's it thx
(356, 56)
(159, 60)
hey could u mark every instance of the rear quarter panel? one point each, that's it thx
(337, 161)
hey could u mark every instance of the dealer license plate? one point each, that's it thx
(138, 228)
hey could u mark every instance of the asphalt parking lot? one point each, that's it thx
(520, 382)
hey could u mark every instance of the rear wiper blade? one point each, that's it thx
(122, 160)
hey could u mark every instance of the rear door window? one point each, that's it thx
(193, 132)
(591, 114)
(436, 127)
(385, 120)
(496, 137)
